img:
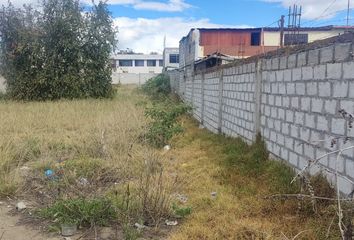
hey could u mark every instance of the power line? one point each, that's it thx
(322, 14)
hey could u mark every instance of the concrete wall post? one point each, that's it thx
(221, 89)
(203, 104)
(257, 99)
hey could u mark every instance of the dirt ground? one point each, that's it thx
(10, 229)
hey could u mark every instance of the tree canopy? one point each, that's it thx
(59, 51)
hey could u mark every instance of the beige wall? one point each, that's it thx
(273, 38)
(2, 84)
(131, 78)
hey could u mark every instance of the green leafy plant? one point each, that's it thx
(181, 211)
(158, 87)
(164, 123)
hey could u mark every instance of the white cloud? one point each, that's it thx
(167, 6)
(147, 35)
(170, 6)
(316, 9)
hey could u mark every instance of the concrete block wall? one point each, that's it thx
(292, 98)
(238, 103)
(211, 101)
(300, 106)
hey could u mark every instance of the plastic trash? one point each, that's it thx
(68, 229)
(171, 223)
(20, 206)
(49, 173)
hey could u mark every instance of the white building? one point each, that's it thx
(135, 68)
(170, 58)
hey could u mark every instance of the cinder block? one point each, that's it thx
(341, 51)
(296, 74)
(338, 126)
(293, 159)
(313, 57)
(344, 186)
(305, 134)
(322, 123)
(278, 101)
(348, 71)
(334, 71)
(299, 118)
(309, 151)
(289, 116)
(319, 72)
(284, 153)
(311, 88)
(283, 62)
(275, 88)
(294, 131)
(289, 142)
(279, 75)
(310, 120)
(290, 88)
(340, 89)
(299, 147)
(307, 73)
(275, 63)
(282, 88)
(326, 54)
(300, 88)
(324, 89)
(330, 106)
(317, 105)
(292, 61)
(349, 168)
(305, 104)
(301, 59)
(287, 75)
(347, 105)
(286, 101)
(285, 128)
(271, 100)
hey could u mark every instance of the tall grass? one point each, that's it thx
(43, 132)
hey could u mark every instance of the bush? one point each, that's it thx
(58, 52)
(164, 123)
(158, 87)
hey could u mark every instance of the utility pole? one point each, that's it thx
(282, 22)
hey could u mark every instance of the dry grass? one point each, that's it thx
(48, 133)
(239, 210)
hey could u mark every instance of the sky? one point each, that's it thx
(144, 24)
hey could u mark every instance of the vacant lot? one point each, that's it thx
(100, 164)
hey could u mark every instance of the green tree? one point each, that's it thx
(59, 52)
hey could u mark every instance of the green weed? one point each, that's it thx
(164, 124)
(84, 212)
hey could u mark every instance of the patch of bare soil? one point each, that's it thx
(11, 229)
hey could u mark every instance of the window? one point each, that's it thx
(151, 63)
(139, 63)
(295, 39)
(255, 38)
(160, 63)
(126, 63)
(174, 58)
